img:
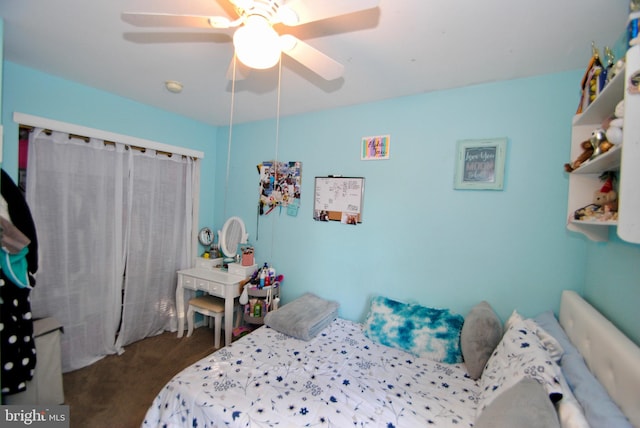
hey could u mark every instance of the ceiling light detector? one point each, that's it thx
(173, 86)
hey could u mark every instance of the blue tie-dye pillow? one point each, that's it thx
(422, 331)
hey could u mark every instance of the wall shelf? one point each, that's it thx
(607, 161)
(622, 158)
(604, 104)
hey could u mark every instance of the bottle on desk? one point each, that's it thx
(272, 275)
(257, 309)
(263, 278)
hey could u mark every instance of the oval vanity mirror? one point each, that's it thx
(233, 233)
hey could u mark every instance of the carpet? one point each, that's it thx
(116, 391)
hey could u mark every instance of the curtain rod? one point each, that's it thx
(81, 131)
(106, 143)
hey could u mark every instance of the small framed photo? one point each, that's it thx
(375, 148)
(480, 164)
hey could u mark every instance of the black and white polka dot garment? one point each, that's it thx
(16, 335)
(17, 345)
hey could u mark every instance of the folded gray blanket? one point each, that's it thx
(304, 317)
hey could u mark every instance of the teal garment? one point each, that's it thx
(15, 267)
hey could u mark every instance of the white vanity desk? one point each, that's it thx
(214, 281)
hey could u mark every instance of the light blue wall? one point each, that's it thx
(420, 239)
(32, 92)
(612, 282)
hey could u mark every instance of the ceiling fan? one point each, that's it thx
(257, 45)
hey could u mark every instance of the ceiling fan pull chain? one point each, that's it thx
(233, 94)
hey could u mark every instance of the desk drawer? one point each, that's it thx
(210, 287)
(201, 262)
(188, 282)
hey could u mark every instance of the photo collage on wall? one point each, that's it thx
(280, 186)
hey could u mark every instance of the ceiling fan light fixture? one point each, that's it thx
(219, 22)
(243, 4)
(257, 44)
(288, 16)
(287, 42)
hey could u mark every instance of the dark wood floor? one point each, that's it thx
(117, 390)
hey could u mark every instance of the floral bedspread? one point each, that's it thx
(338, 379)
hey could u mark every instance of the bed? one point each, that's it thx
(346, 375)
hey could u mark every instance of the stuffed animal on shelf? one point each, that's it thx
(613, 126)
(606, 197)
(605, 202)
(599, 142)
(587, 152)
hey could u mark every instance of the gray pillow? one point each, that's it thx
(481, 333)
(525, 405)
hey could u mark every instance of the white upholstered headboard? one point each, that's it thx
(610, 355)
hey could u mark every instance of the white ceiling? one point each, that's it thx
(403, 47)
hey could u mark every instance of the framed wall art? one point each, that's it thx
(280, 184)
(480, 164)
(375, 148)
(338, 199)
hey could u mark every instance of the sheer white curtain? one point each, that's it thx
(160, 213)
(76, 194)
(114, 225)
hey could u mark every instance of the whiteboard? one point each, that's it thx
(337, 197)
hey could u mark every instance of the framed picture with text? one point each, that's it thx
(480, 164)
(375, 148)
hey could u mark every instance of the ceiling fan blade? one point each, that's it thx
(242, 71)
(316, 10)
(144, 19)
(310, 57)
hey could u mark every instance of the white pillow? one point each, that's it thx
(553, 346)
(519, 354)
(551, 343)
(513, 318)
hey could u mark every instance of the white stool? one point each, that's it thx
(210, 306)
